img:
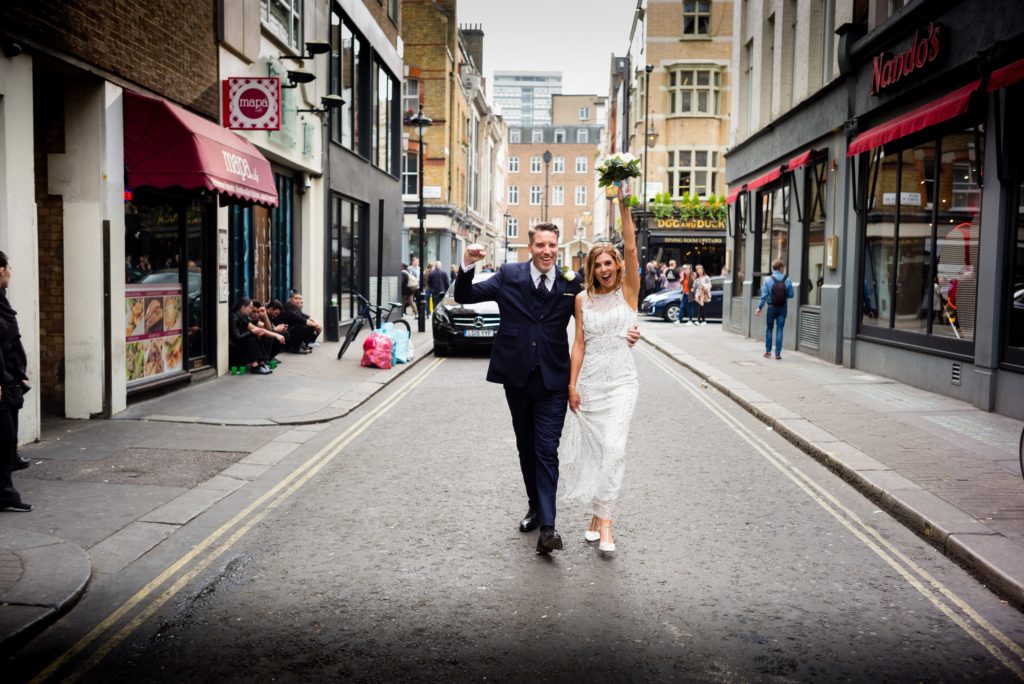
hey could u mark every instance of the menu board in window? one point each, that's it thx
(152, 331)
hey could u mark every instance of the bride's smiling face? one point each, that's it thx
(606, 271)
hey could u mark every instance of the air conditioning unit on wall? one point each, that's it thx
(470, 81)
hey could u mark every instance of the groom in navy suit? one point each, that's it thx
(530, 357)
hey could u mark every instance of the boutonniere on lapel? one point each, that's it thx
(568, 274)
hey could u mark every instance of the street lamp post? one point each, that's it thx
(647, 108)
(421, 120)
(547, 166)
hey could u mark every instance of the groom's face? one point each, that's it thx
(544, 249)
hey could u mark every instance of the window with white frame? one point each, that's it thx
(581, 164)
(513, 136)
(581, 195)
(582, 135)
(283, 18)
(535, 195)
(559, 135)
(513, 194)
(410, 173)
(536, 135)
(696, 17)
(512, 227)
(558, 195)
(584, 113)
(966, 190)
(558, 165)
(694, 91)
(692, 171)
(410, 96)
(534, 164)
(513, 164)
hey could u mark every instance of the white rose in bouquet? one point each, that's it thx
(618, 167)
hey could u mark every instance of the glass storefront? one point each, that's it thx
(739, 219)
(261, 247)
(813, 271)
(921, 239)
(167, 243)
(346, 262)
(774, 231)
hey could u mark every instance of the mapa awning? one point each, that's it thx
(942, 109)
(166, 146)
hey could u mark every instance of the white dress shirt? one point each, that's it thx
(535, 274)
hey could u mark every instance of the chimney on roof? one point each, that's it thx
(473, 39)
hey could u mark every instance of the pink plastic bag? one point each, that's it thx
(377, 351)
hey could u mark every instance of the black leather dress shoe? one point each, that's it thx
(548, 540)
(531, 521)
(20, 462)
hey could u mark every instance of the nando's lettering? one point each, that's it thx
(239, 166)
(888, 69)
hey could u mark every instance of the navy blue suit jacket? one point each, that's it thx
(532, 332)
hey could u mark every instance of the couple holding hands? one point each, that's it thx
(543, 381)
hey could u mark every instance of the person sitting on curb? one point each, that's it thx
(275, 337)
(302, 328)
(777, 290)
(244, 347)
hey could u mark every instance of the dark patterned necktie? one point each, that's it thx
(542, 288)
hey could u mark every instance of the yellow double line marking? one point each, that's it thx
(261, 506)
(915, 575)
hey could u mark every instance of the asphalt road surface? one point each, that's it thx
(392, 553)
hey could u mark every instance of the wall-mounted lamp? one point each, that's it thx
(297, 76)
(313, 48)
(327, 103)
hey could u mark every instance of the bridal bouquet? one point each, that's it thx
(618, 167)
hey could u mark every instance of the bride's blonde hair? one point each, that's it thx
(596, 251)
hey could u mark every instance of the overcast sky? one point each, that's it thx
(576, 37)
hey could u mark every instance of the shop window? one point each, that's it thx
(283, 18)
(774, 232)
(921, 243)
(1015, 296)
(813, 272)
(346, 243)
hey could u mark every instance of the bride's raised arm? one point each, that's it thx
(631, 278)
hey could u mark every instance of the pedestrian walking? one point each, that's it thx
(13, 385)
(530, 357)
(409, 285)
(776, 291)
(672, 275)
(701, 288)
(685, 284)
(438, 281)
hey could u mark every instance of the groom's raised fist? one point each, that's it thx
(473, 254)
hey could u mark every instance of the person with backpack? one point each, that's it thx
(410, 283)
(776, 291)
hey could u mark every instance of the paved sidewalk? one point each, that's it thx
(161, 476)
(947, 470)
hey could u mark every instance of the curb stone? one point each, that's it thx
(963, 539)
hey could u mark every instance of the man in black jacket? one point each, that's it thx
(438, 283)
(302, 328)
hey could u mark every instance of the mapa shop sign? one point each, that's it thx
(888, 69)
(699, 224)
(252, 103)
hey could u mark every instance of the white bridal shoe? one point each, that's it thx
(591, 536)
(607, 547)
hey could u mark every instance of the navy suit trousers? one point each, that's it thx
(537, 416)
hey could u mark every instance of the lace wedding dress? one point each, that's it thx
(592, 450)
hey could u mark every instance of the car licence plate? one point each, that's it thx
(479, 333)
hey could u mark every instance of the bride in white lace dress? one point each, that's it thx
(603, 383)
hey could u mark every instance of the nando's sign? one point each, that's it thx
(888, 69)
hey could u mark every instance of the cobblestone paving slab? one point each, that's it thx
(11, 569)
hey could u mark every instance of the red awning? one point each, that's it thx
(944, 108)
(166, 146)
(1008, 75)
(799, 160)
(767, 178)
(731, 197)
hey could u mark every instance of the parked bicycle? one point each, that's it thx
(375, 316)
